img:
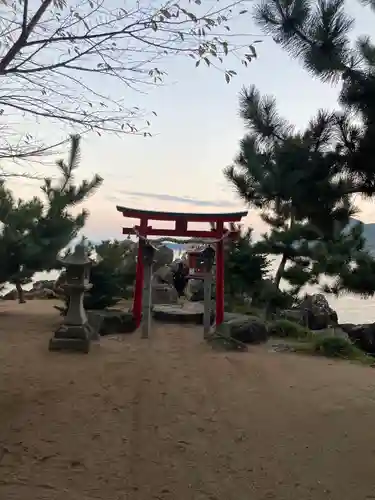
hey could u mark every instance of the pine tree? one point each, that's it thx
(245, 266)
(34, 231)
(318, 34)
(296, 180)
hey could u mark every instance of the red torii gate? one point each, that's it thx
(181, 221)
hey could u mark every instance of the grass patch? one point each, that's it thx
(304, 341)
(334, 347)
(284, 328)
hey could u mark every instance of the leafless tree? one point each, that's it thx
(59, 58)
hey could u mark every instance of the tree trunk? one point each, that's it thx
(284, 260)
(21, 295)
(280, 270)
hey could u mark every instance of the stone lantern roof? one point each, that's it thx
(79, 257)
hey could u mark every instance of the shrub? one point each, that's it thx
(249, 310)
(335, 347)
(268, 296)
(288, 329)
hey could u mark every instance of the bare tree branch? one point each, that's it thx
(57, 56)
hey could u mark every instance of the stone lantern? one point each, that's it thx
(75, 334)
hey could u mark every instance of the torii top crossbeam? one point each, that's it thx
(181, 220)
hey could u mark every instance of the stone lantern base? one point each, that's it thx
(72, 338)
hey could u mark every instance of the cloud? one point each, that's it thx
(177, 199)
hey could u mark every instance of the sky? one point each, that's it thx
(196, 135)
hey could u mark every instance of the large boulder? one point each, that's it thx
(163, 275)
(363, 336)
(246, 329)
(163, 257)
(317, 313)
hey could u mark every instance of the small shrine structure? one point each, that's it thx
(214, 236)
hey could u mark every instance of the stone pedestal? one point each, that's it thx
(71, 338)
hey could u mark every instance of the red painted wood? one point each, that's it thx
(219, 277)
(195, 265)
(174, 216)
(181, 225)
(171, 232)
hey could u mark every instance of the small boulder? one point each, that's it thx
(246, 329)
(112, 321)
(11, 295)
(194, 290)
(363, 336)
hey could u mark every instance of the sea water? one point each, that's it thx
(350, 309)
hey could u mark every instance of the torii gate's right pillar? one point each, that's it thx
(220, 275)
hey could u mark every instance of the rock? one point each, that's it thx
(317, 313)
(363, 336)
(35, 293)
(194, 290)
(163, 257)
(40, 293)
(179, 314)
(163, 275)
(43, 284)
(12, 295)
(164, 294)
(295, 315)
(111, 321)
(247, 329)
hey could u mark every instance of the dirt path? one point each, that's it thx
(170, 419)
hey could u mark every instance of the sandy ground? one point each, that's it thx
(169, 418)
